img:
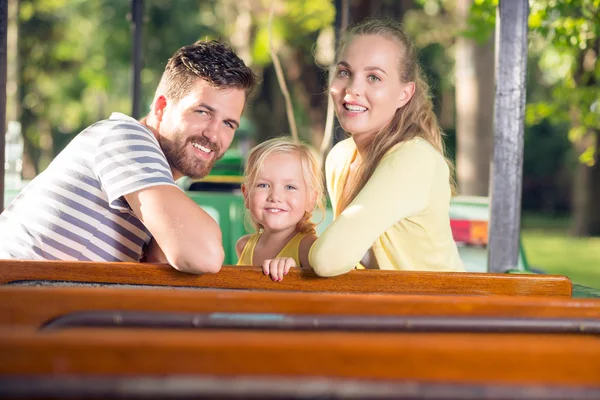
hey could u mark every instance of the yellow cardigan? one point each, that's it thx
(402, 213)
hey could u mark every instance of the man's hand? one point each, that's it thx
(278, 267)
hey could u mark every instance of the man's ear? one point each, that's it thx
(245, 194)
(159, 107)
(406, 93)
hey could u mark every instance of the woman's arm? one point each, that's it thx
(399, 188)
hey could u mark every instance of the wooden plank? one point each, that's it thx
(548, 359)
(230, 277)
(242, 387)
(37, 305)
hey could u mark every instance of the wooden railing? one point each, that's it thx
(363, 281)
(491, 358)
(35, 306)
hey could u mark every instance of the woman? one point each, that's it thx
(390, 183)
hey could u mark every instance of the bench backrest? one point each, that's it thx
(509, 358)
(358, 281)
(37, 305)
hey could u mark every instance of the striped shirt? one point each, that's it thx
(75, 209)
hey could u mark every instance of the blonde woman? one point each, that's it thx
(390, 182)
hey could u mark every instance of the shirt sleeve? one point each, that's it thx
(129, 159)
(400, 187)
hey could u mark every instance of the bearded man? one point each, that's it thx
(110, 195)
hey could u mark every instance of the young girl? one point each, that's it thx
(283, 184)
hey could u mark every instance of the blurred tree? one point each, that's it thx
(566, 35)
(75, 58)
(301, 31)
(547, 168)
(12, 67)
(474, 82)
(463, 64)
(64, 75)
(562, 89)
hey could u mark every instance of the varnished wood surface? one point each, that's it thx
(37, 305)
(549, 359)
(230, 277)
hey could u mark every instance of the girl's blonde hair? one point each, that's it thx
(415, 119)
(313, 177)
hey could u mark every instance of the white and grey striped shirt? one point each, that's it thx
(75, 209)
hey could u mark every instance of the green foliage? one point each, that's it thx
(482, 20)
(75, 56)
(75, 61)
(261, 51)
(551, 150)
(564, 42)
(566, 35)
(295, 23)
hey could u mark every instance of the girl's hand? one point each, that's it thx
(278, 267)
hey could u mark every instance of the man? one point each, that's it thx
(110, 195)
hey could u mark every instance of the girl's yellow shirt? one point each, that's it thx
(289, 250)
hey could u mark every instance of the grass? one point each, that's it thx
(548, 247)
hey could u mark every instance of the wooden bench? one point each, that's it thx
(363, 281)
(37, 305)
(241, 387)
(551, 361)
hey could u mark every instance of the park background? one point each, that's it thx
(70, 64)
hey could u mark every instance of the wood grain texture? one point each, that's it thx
(550, 359)
(36, 305)
(230, 277)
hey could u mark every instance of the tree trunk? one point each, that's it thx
(474, 110)
(241, 34)
(594, 213)
(269, 108)
(447, 109)
(586, 185)
(12, 67)
(310, 89)
(586, 198)
(361, 9)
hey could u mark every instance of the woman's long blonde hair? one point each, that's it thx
(313, 177)
(415, 119)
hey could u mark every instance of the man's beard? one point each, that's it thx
(179, 158)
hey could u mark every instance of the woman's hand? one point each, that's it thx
(278, 267)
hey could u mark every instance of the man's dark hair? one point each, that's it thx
(212, 61)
